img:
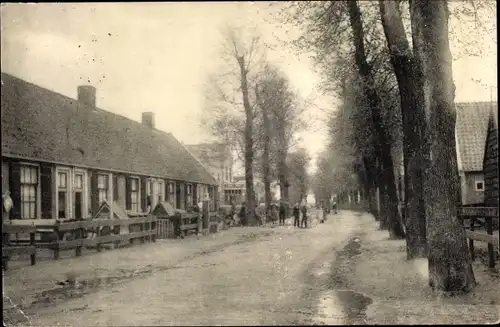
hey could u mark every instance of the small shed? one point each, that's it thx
(490, 163)
(166, 224)
(104, 212)
(163, 209)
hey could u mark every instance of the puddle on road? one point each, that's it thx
(324, 269)
(342, 307)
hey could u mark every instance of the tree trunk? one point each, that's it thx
(250, 194)
(413, 117)
(450, 268)
(266, 165)
(384, 208)
(383, 150)
(283, 176)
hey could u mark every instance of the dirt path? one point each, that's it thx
(258, 277)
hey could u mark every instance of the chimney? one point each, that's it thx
(148, 119)
(86, 95)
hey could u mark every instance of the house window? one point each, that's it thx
(62, 194)
(102, 186)
(161, 192)
(134, 194)
(29, 187)
(78, 197)
(150, 187)
(189, 192)
(170, 192)
(480, 186)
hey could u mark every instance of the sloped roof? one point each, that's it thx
(212, 153)
(471, 130)
(164, 209)
(40, 124)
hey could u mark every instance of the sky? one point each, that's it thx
(156, 57)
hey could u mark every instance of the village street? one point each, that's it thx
(345, 271)
(244, 276)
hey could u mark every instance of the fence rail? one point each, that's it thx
(8, 250)
(473, 215)
(79, 234)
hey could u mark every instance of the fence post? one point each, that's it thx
(56, 249)
(33, 244)
(471, 241)
(154, 228)
(98, 236)
(79, 233)
(491, 253)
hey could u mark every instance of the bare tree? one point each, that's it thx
(383, 149)
(335, 30)
(282, 110)
(450, 266)
(231, 102)
(298, 162)
(412, 102)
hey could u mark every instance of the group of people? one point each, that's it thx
(297, 209)
(277, 214)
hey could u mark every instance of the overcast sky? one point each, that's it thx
(156, 56)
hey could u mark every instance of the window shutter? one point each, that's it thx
(94, 194)
(167, 194)
(46, 187)
(144, 199)
(195, 193)
(128, 194)
(115, 187)
(15, 189)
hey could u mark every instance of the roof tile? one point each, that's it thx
(471, 129)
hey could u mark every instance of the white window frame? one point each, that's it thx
(478, 189)
(68, 189)
(71, 190)
(85, 191)
(109, 195)
(38, 190)
(138, 194)
(161, 190)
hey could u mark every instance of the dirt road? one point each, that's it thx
(262, 276)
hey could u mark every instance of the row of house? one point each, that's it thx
(61, 157)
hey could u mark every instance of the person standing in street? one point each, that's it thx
(296, 215)
(243, 214)
(304, 215)
(282, 213)
(274, 213)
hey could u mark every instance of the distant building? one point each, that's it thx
(218, 160)
(471, 134)
(474, 125)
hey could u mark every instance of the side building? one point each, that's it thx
(218, 160)
(62, 157)
(471, 134)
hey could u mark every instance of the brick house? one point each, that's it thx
(471, 133)
(62, 157)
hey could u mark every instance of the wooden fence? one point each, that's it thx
(185, 224)
(79, 234)
(9, 249)
(473, 217)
